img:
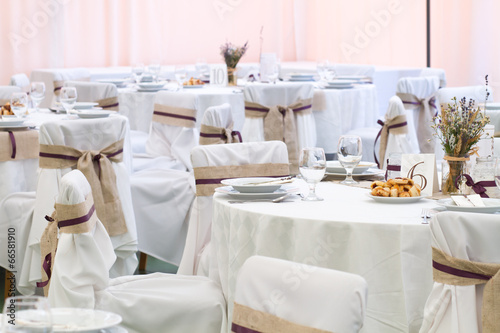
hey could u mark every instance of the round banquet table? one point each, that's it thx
(385, 243)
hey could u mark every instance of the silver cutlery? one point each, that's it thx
(425, 214)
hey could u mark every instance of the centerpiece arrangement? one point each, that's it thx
(232, 55)
(459, 127)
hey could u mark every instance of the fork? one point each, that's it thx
(425, 215)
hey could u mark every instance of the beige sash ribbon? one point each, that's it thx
(60, 83)
(461, 272)
(209, 178)
(396, 125)
(279, 124)
(248, 320)
(18, 145)
(211, 135)
(110, 103)
(71, 219)
(97, 168)
(427, 111)
(175, 116)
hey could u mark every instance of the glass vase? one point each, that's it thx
(453, 169)
(231, 76)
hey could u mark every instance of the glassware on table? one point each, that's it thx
(180, 75)
(274, 73)
(19, 103)
(37, 93)
(67, 97)
(312, 167)
(154, 69)
(349, 152)
(26, 314)
(137, 72)
(393, 166)
(322, 68)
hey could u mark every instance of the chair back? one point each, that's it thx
(20, 80)
(6, 93)
(477, 93)
(105, 94)
(217, 126)
(354, 69)
(213, 163)
(284, 296)
(439, 72)
(458, 307)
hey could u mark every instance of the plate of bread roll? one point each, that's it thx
(397, 190)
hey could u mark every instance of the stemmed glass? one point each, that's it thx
(274, 73)
(37, 93)
(349, 151)
(68, 98)
(19, 103)
(137, 72)
(312, 166)
(180, 75)
(26, 314)
(322, 67)
(155, 69)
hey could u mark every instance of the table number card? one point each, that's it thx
(218, 75)
(422, 169)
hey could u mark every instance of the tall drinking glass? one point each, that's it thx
(37, 93)
(155, 69)
(137, 72)
(349, 151)
(312, 166)
(19, 103)
(26, 314)
(68, 98)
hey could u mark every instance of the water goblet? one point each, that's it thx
(68, 97)
(37, 93)
(274, 73)
(26, 314)
(180, 75)
(19, 103)
(154, 69)
(137, 72)
(312, 167)
(349, 151)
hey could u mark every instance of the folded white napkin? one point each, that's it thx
(473, 200)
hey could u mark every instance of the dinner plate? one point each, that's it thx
(83, 320)
(301, 79)
(9, 122)
(492, 206)
(84, 105)
(89, 114)
(194, 86)
(248, 185)
(301, 75)
(341, 82)
(151, 85)
(356, 78)
(14, 128)
(336, 167)
(349, 86)
(229, 190)
(394, 200)
(117, 82)
(149, 90)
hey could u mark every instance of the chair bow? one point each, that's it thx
(396, 125)
(97, 168)
(210, 135)
(477, 187)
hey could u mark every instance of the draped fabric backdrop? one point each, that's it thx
(97, 33)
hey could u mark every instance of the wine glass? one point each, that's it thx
(180, 75)
(154, 69)
(68, 98)
(19, 103)
(349, 151)
(312, 166)
(321, 68)
(26, 314)
(137, 72)
(37, 93)
(274, 73)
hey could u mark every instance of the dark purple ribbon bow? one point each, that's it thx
(477, 187)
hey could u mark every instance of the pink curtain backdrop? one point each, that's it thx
(96, 33)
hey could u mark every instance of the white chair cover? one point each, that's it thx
(6, 92)
(320, 298)
(80, 279)
(83, 134)
(280, 94)
(354, 69)
(420, 87)
(466, 236)
(49, 76)
(218, 116)
(439, 72)
(200, 221)
(93, 91)
(20, 80)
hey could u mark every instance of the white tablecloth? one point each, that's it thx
(138, 106)
(348, 231)
(338, 111)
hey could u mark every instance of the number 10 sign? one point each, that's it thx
(218, 75)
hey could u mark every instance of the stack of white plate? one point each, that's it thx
(363, 169)
(301, 77)
(255, 188)
(150, 86)
(356, 78)
(340, 84)
(117, 82)
(11, 122)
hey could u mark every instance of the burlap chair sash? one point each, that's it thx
(397, 125)
(175, 116)
(71, 219)
(60, 83)
(210, 135)
(208, 178)
(427, 111)
(97, 168)
(279, 124)
(18, 145)
(461, 272)
(248, 320)
(110, 103)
